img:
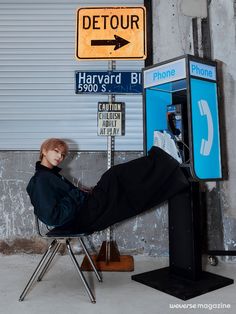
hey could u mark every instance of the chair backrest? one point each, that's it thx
(38, 229)
(37, 226)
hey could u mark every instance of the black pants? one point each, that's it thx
(131, 188)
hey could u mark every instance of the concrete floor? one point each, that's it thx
(61, 290)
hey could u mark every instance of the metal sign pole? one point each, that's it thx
(110, 163)
(109, 251)
(109, 258)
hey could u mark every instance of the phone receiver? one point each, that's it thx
(206, 144)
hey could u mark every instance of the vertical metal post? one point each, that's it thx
(110, 162)
(109, 258)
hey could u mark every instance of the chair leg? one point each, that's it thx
(45, 268)
(91, 296)
(90, 260)
(37, 270)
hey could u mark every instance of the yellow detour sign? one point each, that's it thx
(111, 33)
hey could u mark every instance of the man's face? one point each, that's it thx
(52, 157)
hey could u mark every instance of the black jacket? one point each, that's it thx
(56, 200)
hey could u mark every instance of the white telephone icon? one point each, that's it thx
(206, 144)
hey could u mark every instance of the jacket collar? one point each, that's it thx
(39, 167)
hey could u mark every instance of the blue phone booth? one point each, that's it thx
(181, 99)
(181, 117)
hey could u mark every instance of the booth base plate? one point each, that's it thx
(163, 280)
(126, 263)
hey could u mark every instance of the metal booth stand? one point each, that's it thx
(181, 116)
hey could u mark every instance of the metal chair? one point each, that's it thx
(59, 237)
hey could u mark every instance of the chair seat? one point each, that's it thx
(66, 233)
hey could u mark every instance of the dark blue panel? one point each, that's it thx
(108, 82)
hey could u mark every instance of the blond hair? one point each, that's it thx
(51, 144)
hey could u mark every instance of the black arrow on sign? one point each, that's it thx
(118, 42)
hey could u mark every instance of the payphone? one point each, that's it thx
(180, 99)
(181, 117)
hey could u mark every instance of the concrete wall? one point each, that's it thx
(223, 41)
(173, 35)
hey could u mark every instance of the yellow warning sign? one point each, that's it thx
(111, 33)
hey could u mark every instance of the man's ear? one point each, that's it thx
(44, 152)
